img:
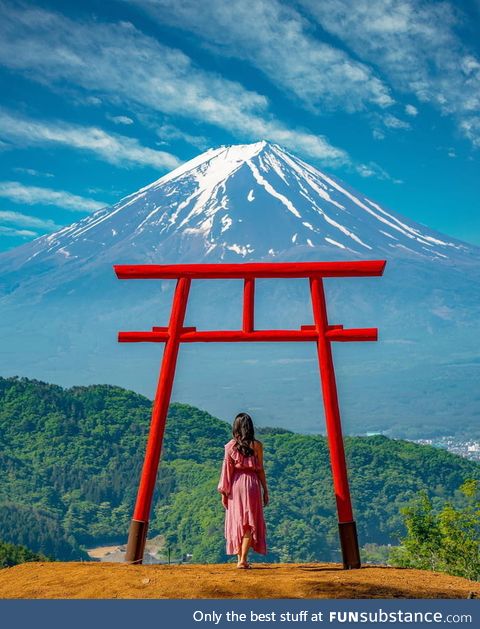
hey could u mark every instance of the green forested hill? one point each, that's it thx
(70, 462)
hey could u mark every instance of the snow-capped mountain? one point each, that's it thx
(239, 203)
(235, 204)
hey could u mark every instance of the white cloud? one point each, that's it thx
(374, 170)
(392, 122)
(276, 39)
(32, 172)
(33, 195)
(24, 220)
(378, 134)
(381, 122)
(415, 45)
(297, 140)
(117, 60)
(471, 128)
(13, 231)
(120, 64)
(91, 100)
(168, 132)
(113, 148)
(126, 120)
(411, 110)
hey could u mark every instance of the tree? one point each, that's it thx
(447, 540)
(11, 555)
(421, 546)
(460, 528)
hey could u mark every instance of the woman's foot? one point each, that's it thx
(243, 565)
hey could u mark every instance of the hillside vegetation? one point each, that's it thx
(11, 555)
(70, 462)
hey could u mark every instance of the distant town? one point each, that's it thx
(466, 448)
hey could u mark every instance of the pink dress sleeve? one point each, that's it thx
(225, 483)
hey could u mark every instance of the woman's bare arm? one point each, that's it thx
(261, 471)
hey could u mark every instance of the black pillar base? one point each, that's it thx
(137, 537)
(349, 545)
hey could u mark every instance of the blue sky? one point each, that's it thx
(100, 98)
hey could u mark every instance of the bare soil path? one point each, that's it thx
(316, 580)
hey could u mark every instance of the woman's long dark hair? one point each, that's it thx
(243, 433)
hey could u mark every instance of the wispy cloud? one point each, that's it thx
(471, 128)
(277, 40)
(119, 63)
(113, 148)
(392, 122)
(411, 110)
(384, 122)
(34, 195)
(24, 220)
(33, 172)
(125, 120)
(167, 132)
(14, 232)
(371, 169)
(415, 46)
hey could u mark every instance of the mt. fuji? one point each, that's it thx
(240, 203)
(59, 297)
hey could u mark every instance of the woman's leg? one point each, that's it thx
(246, 542)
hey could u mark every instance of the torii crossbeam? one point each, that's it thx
(320, 332)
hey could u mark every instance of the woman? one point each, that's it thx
(241, 483)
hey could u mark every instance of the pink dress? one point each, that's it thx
(240, 482)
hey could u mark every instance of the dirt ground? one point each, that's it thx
(316, 580)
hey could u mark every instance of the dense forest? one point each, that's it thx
(70, 462)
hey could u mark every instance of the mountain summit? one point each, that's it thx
(61, 305)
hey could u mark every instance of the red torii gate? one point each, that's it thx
(320, 332)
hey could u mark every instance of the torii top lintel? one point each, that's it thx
(361, 268)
